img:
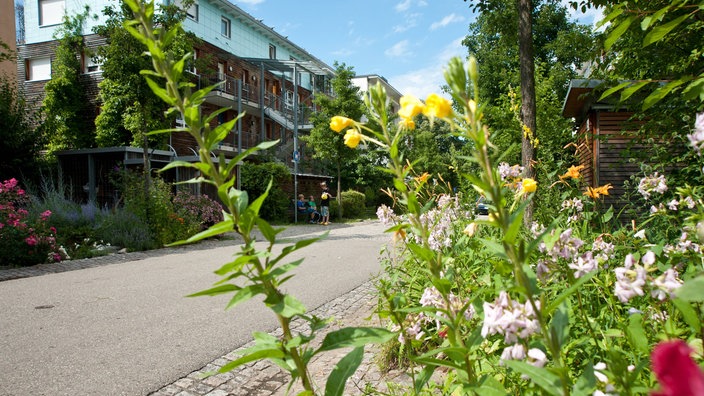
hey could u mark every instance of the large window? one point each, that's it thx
(90, 65)
(191, 12)
(225, 27)
(51, 12)
(38, 69)
(272, 51)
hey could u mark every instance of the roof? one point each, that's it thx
(289, 66)
(579, 97)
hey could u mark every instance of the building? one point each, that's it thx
(8, 35)
(261, 73)
(365, 82)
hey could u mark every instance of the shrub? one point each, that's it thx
(256, 177)
(127, 230)
(353, 204)
(200, 210)
(24, 239)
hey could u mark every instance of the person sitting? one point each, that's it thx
(303, 208)
(314, 215)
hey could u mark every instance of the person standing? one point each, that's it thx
(325, 204)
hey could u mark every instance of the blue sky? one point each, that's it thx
(408, 42)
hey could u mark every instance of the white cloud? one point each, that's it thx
(452, 18)
(428, 79)
(403, 6)
(398, 50)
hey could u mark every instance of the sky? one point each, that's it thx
(408, 42)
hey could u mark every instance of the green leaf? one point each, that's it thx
(267, 230)
(542, 377)
(661, 92)
(160, 92)
(355, 337)
(278, 271)
(613, 90)
(244, 294)
(216, 229)
(560, 324)
(335, 385)
(254, 356)
(214, 291)
(692, 290)
(628, 92)
(618, 31)
(423, 377)
(688, 314)
(636, 333)
(490, 386)
(659, 32)
(288, 307)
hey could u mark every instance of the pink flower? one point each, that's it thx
(676, 371)
(31, 240)
(45, 215)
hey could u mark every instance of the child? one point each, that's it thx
(325, 204)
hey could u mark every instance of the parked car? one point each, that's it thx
(482, 206)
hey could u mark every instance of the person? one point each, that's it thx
(325, 204)
(314, 215)
(303, 208)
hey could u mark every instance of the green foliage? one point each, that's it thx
(129, 108)
(256, 178)
(127, 230)
(66, 107)
(353, 204)
(20, 141)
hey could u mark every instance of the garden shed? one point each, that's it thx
(604, 139)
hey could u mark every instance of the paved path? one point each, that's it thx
(126, 329)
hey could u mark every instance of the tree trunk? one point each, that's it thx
(525, 48)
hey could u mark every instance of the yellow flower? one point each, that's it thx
(407, 123)
(573, 172)
(437, 107)
(338, 123)
(604, 190)
(399, 235)
(598, 191)
(529, 185)
(352, 138)
(471, 229)
(410, 107)
(423, 178)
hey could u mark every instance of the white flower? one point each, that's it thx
(514, 352)
(648, 259)
(640, 234)
(672, 205)
(654, 183)
(598, 368)
(584, 265)
(629, 283)
(696, 139)
(536, 357)
(665, 285)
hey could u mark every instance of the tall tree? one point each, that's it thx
(129, 108)
(66, 108)
(328, 145)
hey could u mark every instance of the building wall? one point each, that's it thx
(36, 33)
(7, 35)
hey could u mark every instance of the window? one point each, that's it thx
(51, 12)
(272, 51)
(90, 65)
(225, 27)
(38, 69)
(191, 12)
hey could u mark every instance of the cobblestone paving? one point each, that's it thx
(260, 378)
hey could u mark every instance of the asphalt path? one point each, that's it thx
(128, 329)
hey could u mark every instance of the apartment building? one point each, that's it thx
(261, 72)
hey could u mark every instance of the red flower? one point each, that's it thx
(676, 371)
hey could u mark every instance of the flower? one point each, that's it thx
(653, 183)
(598, 191)
(352, 138)
(675, 370)
(604, 190)
(407, 123)
(696, 139)
(437, 107)
(573, 172)
(410, 107)
(338, 123)
(529, 185)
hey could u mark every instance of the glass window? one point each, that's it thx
(90, 65)
(51, 12)
(225, 27)
(191, 12)
(272, 51)
(39, 69)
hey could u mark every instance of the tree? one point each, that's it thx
(20, 141)
(328, 145)
(559, 47)
(129, 108)
(66, 107)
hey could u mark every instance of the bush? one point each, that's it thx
(256, 177)
(199, 210)
(127, 230)
(353, 204)
(25, 239)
